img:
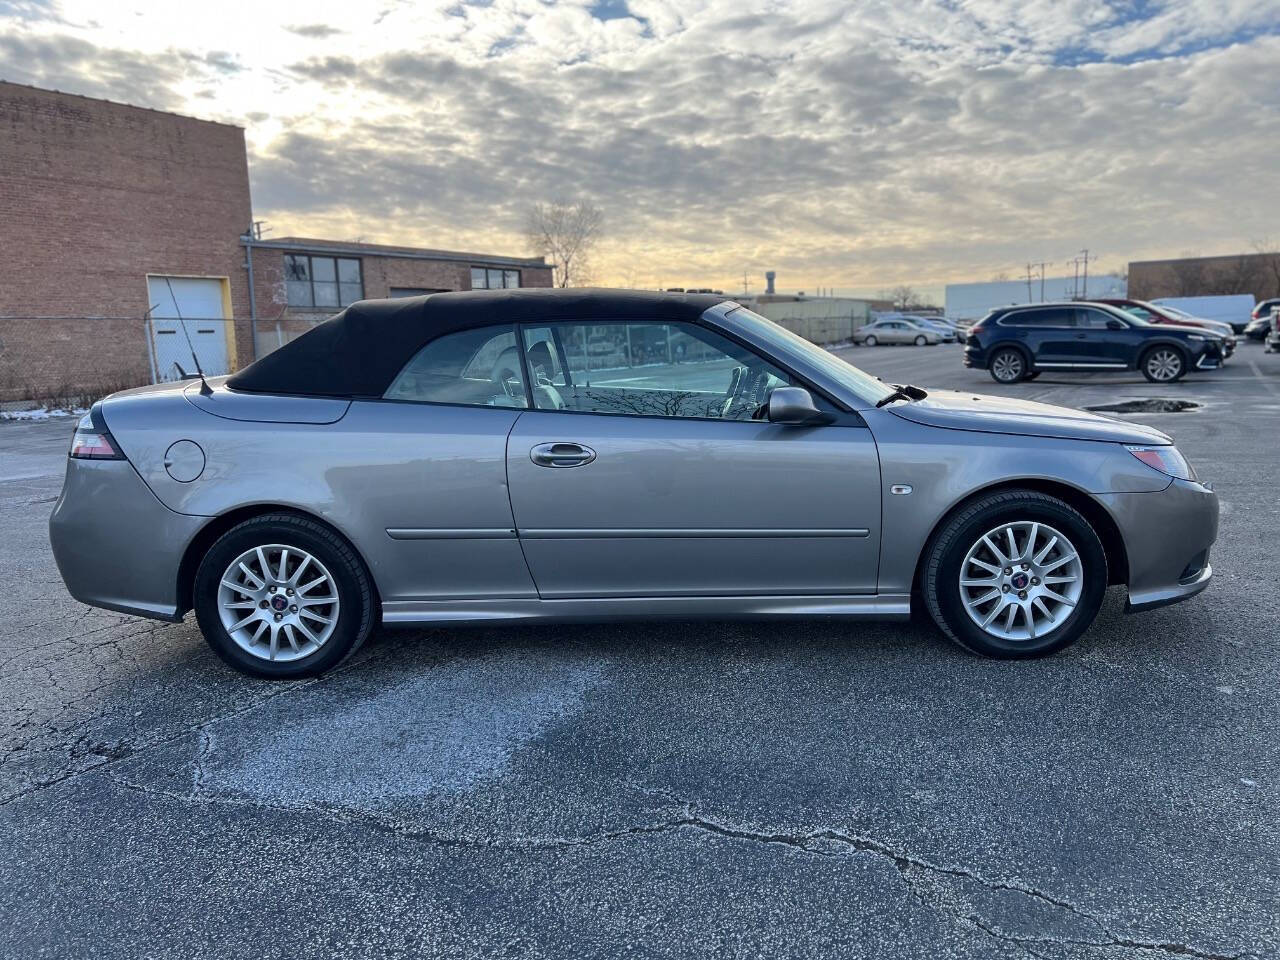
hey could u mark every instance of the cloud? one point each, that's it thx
(63, 62)
(854, 145)
(317, 31)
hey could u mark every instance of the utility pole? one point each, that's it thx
(746, 284)
(1085, 260)
(1039, 266)
(1028, 283)
(1075, 283)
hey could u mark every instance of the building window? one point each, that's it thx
(482, 279)
(322, 281)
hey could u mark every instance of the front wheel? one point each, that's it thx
(283, 597)
(870, 341)
(1163, 365)
(1015, 574)
(1008, 366)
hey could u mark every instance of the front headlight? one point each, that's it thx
(1166, 459)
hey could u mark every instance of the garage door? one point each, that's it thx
(199, 302)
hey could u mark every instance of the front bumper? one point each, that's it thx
(1167, 536)
(115, 544)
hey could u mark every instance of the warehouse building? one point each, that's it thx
(1253, 273)
(817, 319)
(972, 301)
(116, 221)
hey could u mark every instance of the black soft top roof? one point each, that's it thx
(358, 352)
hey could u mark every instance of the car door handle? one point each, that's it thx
(561, 454)
(1082, 336)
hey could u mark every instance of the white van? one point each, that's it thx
(1235, 309)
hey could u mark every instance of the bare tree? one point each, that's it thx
(1188, 278)
(903, 297)
(1269, 250)
(565, 233)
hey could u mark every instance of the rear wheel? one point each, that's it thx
(1163, 364)
(282, 597)
(921, 341)
(1015, 574)
(1008, 365)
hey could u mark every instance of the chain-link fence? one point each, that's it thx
(72, 361)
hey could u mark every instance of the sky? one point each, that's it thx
(846, 145)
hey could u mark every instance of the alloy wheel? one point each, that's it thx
(1007, 366)
(1021, 580)
(1164, 365)
(278, 602)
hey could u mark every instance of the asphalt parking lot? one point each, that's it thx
(679, 789)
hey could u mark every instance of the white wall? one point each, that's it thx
(970, 301)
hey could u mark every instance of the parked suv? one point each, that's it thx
(1259, 325)
(1170, 316)
(1016, 343)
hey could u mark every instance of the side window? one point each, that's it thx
(1050, 317)
(1092, 319)
(478, 367)
(647, 369)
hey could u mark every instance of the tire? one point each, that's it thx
(955, 607)
(870, 341)
(921, 341)
(1163, 364)
(338, 617)
(1008, 365)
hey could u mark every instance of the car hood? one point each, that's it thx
(961, 410)
(1180, 328)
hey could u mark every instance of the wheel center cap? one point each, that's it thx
(1020, 581)
(279, 603)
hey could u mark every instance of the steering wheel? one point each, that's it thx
(507, 375)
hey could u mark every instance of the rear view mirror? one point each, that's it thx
(795, 406)
(1114, 324)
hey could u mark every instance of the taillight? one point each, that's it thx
(1166, 459)
(91, 441)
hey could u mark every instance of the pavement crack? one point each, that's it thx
(820, 843)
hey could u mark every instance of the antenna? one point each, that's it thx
(204, 384)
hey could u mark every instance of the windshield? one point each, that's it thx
(779, 338)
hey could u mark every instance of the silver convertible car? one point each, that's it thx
(550, 455)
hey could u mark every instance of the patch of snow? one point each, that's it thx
(42, 413)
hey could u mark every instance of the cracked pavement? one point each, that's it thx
(667, 789)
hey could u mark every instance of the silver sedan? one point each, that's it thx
(896, 331)
(580, 455)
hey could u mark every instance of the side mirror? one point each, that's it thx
(1114, 324)
(795, 406)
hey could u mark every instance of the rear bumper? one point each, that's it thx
(115, 544)
(1167, 537)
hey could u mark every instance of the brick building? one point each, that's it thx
(1255, 273)
(298, 281)
(115, 220)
